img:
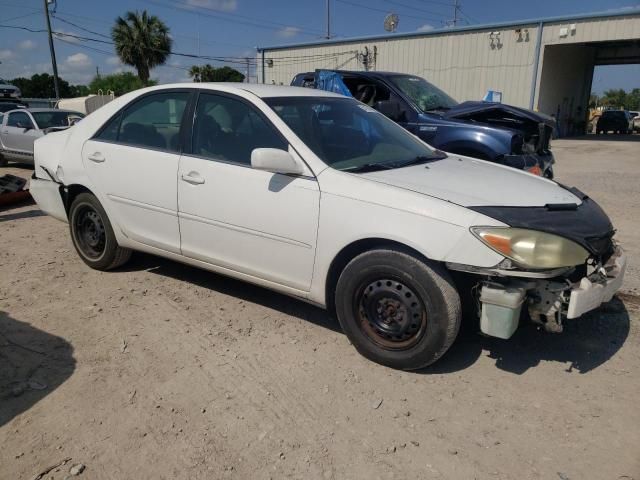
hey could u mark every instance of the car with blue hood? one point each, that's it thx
(492, 131)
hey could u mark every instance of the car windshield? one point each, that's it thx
(350, 136)
(427, 97)
(54, 119)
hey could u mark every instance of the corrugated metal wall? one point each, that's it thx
(464, 64)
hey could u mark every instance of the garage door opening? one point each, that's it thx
(571, 72)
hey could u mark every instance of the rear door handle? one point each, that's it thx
(97, 157)
(193, 178)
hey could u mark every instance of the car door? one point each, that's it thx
(251, 221)
(133, 162)
(19, 133)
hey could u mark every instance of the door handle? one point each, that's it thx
(193, 178)
(97, 157)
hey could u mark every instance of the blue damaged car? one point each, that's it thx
(490, 131)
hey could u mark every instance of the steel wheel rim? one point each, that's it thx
(391, 314)
(90, 232)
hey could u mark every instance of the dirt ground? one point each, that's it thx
(163, 371)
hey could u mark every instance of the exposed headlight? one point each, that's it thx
(532, 249)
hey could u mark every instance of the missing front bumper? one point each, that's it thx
(548, 300)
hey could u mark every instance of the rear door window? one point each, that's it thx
(152, 122)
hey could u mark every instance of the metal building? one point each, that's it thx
(544, 64)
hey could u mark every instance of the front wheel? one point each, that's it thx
(93, 236)
(397, 310)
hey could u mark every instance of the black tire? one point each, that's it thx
(93, 236)
(3, 161)
(397, 310)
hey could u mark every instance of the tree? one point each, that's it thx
(119, 83)
(633, 99)
(208, 73)
(41, 85)
(142, 41)
(614, 98)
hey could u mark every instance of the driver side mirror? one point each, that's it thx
(24, 125)
(276, 161)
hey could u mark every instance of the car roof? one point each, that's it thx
(258, 89)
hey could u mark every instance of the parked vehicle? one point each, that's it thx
(9, 91)
(635, 121)
(6, 106)
(320, 197)
(616, 121)
(20, 128)
(490, 131)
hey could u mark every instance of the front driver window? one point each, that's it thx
(19, 119)
(228, 129)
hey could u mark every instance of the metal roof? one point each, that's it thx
(624, 12)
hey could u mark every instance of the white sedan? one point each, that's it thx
(322, 198)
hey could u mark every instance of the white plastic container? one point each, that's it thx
(500, 310)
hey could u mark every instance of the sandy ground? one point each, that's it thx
(159, 370)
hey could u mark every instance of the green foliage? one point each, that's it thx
(142, 41)
(208, 73)
(617, 98)
(41, 85)
(119, 83)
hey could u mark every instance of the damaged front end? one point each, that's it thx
(530, 146)
(581, 266)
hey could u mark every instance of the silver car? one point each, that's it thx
(20, 128)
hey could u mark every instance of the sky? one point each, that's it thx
(233, 28)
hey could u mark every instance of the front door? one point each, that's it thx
(250, 221)
(133, 162)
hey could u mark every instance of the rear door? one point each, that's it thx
(133, 161)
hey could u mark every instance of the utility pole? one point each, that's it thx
(248, 70)
(456, 8)
(328, 19)
(53, 51)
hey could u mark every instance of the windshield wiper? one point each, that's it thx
(369, 167)
(438, 108)
(437, 155)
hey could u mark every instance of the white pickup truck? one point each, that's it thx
(20, 128)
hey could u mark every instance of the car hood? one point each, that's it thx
(469, 182)
(468, 109)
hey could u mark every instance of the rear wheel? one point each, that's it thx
(3, 161)
(397, 310)
(93, 236)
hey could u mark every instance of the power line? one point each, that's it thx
(366, 7)
(104, 22)
(416, 8)
(182, 7)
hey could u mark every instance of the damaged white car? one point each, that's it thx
(323, 198)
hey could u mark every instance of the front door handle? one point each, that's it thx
(193, 178)
(97, 157)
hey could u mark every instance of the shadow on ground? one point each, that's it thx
(611, 137)
(33, 364)
(586, 343)
(233, 288)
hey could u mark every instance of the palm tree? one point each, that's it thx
(141, 41)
